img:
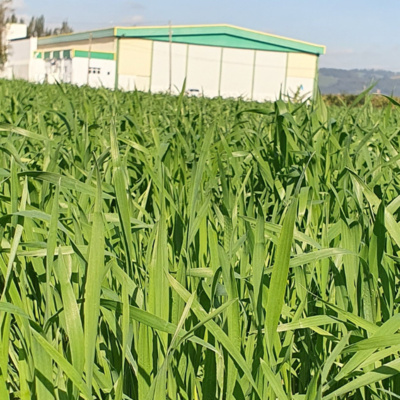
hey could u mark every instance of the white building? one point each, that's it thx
(215, 60)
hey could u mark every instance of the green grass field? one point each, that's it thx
(157, 247)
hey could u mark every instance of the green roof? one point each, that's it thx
(210, 35)
(71, 37)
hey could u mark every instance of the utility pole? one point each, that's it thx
(170, 58)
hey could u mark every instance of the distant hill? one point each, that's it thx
(353, 81)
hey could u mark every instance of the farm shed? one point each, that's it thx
(215, 60)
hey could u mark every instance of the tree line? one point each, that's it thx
(36, 27)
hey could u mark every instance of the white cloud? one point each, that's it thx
(133, 20)
(18, 5)
(340, 52)
(134, 5)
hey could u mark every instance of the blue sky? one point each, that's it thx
(357, 34)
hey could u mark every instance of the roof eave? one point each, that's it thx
(188, 30)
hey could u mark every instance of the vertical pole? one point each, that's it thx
(151, 65)
(254, 75)
(89, 55)
(170, 57)
(286, 74)
(116, 65)
(220, 71)
(316, 79)
(187, 63)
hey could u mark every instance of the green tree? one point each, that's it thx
(12, 19)
(64, 28)
(37, 28)
(4, 10)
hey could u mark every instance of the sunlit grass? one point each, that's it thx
(157, 247)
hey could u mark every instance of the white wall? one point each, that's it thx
(213, 71)
(203, 69)
(260, 75)
(21, 50)
(237, 73)
(269, 75)
(58, 70)
(15, 31)
(102, 72)
(160, 67)
(37, 71)
(303, 86)
(21, 63)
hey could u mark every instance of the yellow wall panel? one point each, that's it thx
(130, 82)
(135, 57)
(301, 65)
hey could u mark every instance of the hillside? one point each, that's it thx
(335, 81)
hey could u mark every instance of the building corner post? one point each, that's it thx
(316, 78)
(116, 65)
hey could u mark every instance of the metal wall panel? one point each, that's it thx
(21, 64)
(102, 72)
(269, 75)
(129, 82)
(237, 73)
(179, 59)
(160, 75)
(54, 70)
(203, 69)
(160, 67)
(303, 86)
(301, 65)
(135, 57)
(38, 71)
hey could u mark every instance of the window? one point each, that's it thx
(94, 70)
